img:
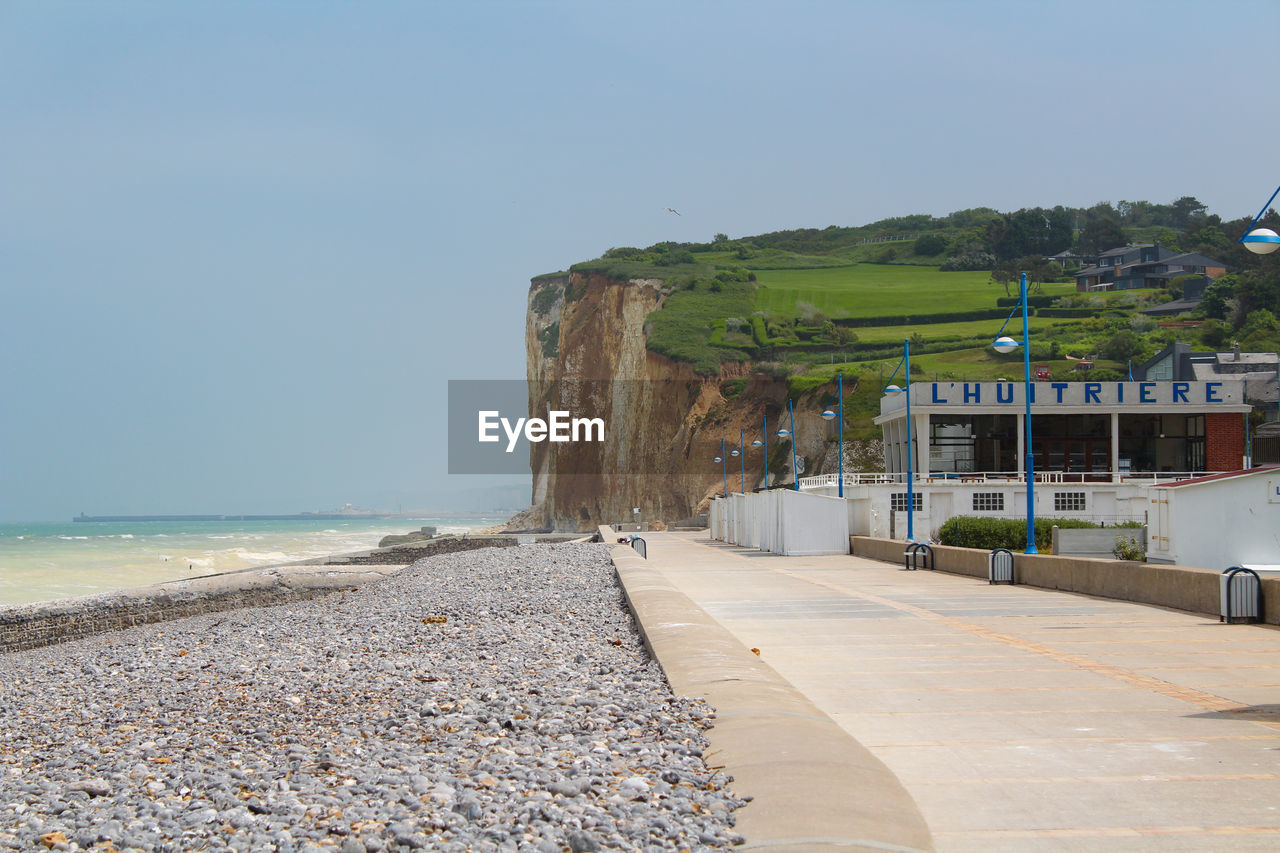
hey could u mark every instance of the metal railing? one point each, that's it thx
(830, 481)
(918, 554)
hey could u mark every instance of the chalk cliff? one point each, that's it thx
(585, 342)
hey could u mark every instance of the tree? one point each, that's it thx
(720, 238)
(1261, 320)
(1004, 274)
(1184, 210)
(1101, 234)
(1122, 346)
(1254, 292)
(930, 244)
(1030, 231)
(1219, 298)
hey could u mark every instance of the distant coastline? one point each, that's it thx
(302, 516)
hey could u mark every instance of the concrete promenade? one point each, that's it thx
(1015, 718)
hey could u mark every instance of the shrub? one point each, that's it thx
(544, 300)
(1041, 301)
(930, 244)
(1128, 548)
(718, 328)
(969, 531)
(968, 261)
(550, 338)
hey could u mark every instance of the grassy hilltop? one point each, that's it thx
(808, 303)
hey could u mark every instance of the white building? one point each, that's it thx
(1099, 447)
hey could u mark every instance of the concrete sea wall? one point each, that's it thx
(1179, 587)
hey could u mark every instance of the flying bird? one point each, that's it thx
(673, 210)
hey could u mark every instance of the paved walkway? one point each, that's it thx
(1017, 718)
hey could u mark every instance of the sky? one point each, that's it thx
(245, 245)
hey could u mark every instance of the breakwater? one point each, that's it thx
(29, 626)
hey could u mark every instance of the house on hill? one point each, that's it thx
(1260, 372)
(1147, 265)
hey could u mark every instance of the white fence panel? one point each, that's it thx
(813, 524)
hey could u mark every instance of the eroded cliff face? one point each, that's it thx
(585, 342)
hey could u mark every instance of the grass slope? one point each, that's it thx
(873, 290)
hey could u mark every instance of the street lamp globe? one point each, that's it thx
(783, 432)
(734, 453)
(893, 389)
(1261, 241)
(718, 459)
(757, 443)
(828, 414)
(1005, 344)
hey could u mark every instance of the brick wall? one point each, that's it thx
(1223, 441)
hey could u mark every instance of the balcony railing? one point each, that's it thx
(824, 481)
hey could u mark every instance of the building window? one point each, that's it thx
(1068, 501)
(898, 502)
(988, 501)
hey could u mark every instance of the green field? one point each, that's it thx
(967, 329)
(874, 290)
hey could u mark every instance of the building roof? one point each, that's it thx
(1177, 306)
(1262, 387)
(1225, 475)
(1092, 271)
(1124, 250)
(1261, 359)
(1193, 258)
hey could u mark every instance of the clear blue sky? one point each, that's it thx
(244, 245)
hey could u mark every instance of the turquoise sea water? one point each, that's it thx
(39, 562)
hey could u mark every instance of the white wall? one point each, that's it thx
(1218, 523)
(782, 521)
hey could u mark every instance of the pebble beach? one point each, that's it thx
(493, 700)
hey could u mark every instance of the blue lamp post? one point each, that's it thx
(829, 414)
(742, 463)
(763, 441)
(1261, 241)
(911, 469)
(724, 468)
(783, 432)
(1007, 344)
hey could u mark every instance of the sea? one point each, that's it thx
(40, 562)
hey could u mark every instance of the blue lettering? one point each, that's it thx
(1144, 392)
(1001, 398)
(1211, 392)
(1060, 387)
(1119, 392)
(1180, 392)
(936, 398)
(974, 396)
(1032, 386)
(1091, 392)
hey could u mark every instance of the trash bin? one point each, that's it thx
(1240, 595)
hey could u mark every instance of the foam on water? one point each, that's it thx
(45, 561)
